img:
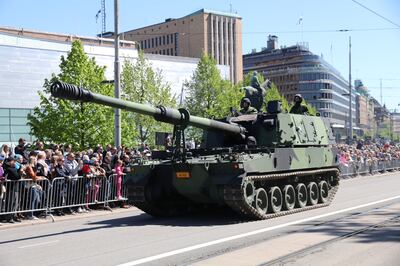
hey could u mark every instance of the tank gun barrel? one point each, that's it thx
(160, 113)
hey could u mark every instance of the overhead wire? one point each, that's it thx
(271, 32)
(376, 13)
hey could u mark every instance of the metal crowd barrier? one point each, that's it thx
(28, 196)
(368, 167)
(24, 195)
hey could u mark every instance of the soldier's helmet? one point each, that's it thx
(299, 97)
(245, 100)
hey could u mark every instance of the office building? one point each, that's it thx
(218, 34)
(28, 57)
(295, 69)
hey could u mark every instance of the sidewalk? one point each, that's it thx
(67, 217)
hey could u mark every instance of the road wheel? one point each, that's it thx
(301, 195)
(323, 191)
(249, 192)
(275, 196)
(261, 201)
(289, 197)
(313, 194)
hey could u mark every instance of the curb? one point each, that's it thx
(69, 217)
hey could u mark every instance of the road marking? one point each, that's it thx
(39, 244)
(226, 239)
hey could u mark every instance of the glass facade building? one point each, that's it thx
(13, 125)
(295, 70)
(26, 61)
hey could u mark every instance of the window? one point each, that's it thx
(163, 40)
(152, 42)
(168, 39)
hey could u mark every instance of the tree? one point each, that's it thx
(247, 79)
(208, 95)
(311, 109)
(274, 95)
(81, 124)
(141, 84)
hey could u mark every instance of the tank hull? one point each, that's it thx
(165, 188)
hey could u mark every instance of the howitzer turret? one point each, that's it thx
(179, 117)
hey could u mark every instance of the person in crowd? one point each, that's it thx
(55, 147)
(106, 165)
(13, 174)
(67, 149)
(59, 171)
(106, 150)
(39, 147)
(118, 170)
(42, 168)
(49, 154)
(35, 190)
(88, 174)
(2, 187)
(5, 151)
(21, 147)
(99, 174)
(19, 161)
(73, 167)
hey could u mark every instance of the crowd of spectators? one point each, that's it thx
(39, 163)
(46, 163)
(366, 151)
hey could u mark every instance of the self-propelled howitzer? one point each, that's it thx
(260, 165)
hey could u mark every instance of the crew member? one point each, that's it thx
(245, 104)
(298, 108)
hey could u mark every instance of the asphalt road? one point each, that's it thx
(362, 220)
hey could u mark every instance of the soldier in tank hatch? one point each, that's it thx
(298, 108)
(246, 107)
(256, 91)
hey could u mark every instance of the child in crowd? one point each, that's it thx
(118, 180)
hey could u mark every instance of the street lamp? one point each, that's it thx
(350, 96)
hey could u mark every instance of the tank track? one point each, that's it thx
(235, 199)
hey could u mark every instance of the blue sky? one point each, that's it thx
(375, 53)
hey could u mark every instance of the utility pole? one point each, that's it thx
(350, 97)
(380, 87)
(117, 112)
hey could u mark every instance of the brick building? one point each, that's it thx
(218, 34)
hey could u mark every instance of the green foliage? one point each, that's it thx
(81, 124)
(208, 95)
(274, 95)
(141, 84)
(247, 79)
(311, 109)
